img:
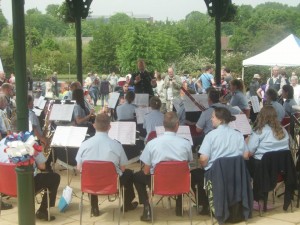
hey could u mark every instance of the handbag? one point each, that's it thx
(65, 199)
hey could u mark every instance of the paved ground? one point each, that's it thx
(163, 215)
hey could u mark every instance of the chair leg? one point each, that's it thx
(81, 207)
(48, 203)
(123, 199)
(190, 208)
(0, 202)
(120, 196)
(197, 197)
(152, 207)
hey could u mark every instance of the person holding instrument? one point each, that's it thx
(143, 81)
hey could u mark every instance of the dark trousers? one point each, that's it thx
(197, 178)
(126, 180)
(50, 181)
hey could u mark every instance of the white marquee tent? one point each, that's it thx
(1, 67)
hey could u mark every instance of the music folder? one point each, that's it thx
(140, 114)
(190, 106)
(113, 99)
(141, 100)
(61, 112)
(124, 132)
(68, 136)
(183, 131)
(241, 124)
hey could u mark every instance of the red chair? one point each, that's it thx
(151, 136)
(100, 178)
(8, 180)
(169, 179)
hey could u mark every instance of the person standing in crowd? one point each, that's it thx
(272, 98)
(104, 90)
(276, 81)
(167, 147)
(143, 81)
(55, 84)
(206, 79)
(172, 85)
(238, 97)
(3, 78)
(223, 141)
(48, 88)
(11, 108)
(113, 81)
(154, 118)
(126, 111)
(254, 85)
(93, 89)
(161, 92)
(5, 125)
(12, 79)
(296, 87)
(288, 95)
(103, 148)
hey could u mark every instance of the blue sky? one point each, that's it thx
(159, 9)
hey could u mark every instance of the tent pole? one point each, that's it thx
(243, 71)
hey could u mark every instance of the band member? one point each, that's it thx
(126, 111)
(167, 147)
(102, 148)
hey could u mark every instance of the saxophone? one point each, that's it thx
(47, 131)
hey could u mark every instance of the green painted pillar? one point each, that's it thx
(78, 48)
(26, 211)
(218, 15)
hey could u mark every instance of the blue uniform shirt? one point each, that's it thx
(103, 148)
(126, 111)
(153, 119)
(167, 147)
(240, 100)
(259, 144)
(279, 110)
(287, 105)
(222, 142)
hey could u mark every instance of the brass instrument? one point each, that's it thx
(47, 132)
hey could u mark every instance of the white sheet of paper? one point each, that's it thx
(37, 111)
(68, 136)
(255, 104)
(141, 100)
(124, 132)
(61, 112)
(39, 102)
(183, 131)
(140, 114)
(241, 124)
(113, 99)
(190, 106)
(178, 103)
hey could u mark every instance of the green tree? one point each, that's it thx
(3, 22)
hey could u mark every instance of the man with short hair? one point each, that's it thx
(296, 87)
(206, 79)
(276, 82)
(3, 78)
(103, 148)
(167, 147)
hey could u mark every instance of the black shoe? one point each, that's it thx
(146, 214)
(5, 206)
(43, 215)
(204, 211)
(132, 206)
(95, 212)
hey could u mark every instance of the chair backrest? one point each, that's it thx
(8, 179)
(151, 136)
(99, 178)
(171, 178)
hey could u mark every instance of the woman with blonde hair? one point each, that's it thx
(268, 134)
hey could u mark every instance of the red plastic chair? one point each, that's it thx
(100, 178)
(151, 136)
(169, 179)
(8, 180)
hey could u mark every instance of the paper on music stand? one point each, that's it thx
(255, 104)
(68, 136)
(113, 99)
(140, 114)
(141, 100)
(190, 106)
(241, 124)
(124, 132)
(178, 104)
(39, 102)
(61, 112)
(183, 131)
(37, 111)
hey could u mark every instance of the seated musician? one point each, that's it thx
(5, 127)
(74, 85)
(82, 115)
(223, 141)
(126, 111)
(272, 97)
(238, 97)
(124, 91)
(102, 148)
(167, 147)
(268, 134)
(153, 118)
(288, 94)
(204, 124)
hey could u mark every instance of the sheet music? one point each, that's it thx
(124, 132)
(37, 111)
(39, 102)
(141, 100)
(255, 104)
(62, 112)
(190, 106)
(183, 131)
(113, 99)
(177, 103)
(68, 136)
(241, 124)
(140, 114)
